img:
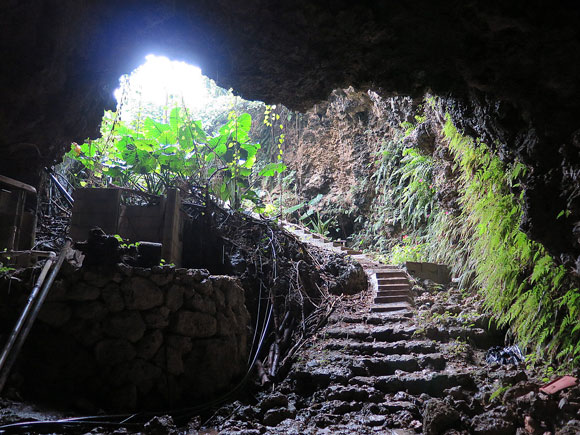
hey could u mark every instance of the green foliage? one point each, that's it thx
(411, 249)
(404, 202)
(318, 225)
(152, 156)
(518, 279)
(499, 392)
(480, 240)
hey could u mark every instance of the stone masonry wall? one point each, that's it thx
(138, 338)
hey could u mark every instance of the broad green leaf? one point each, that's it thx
(272, 168)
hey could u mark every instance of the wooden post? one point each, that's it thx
(172, 244)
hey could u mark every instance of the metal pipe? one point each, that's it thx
(31, 252)
(60, 187)
(28, 316)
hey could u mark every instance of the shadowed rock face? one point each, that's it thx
(509, 72)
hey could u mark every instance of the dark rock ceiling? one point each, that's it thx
(509, 71)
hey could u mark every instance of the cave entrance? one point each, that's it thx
(174, 134)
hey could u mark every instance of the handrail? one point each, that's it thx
(29, 314)
(17, 184)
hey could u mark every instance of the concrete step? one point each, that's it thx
(390, 299)
(382, 308)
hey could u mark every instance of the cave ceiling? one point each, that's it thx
(509, 71)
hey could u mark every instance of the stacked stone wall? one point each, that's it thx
(138, 338)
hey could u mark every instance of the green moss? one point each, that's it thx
(520, 282)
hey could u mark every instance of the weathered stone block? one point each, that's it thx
(114, 351)
(144, 375)
(231, 289)
(174, 297)
(96, 279)
(86, 332)
(83, 292)
(142, 271)
(190, 324)
(225, 325)
(161, 280)
(124, 269)
(58, 291)
(203, 287)
(128, 325)
(193, 276)
(55, 313)
(200, 303)
(148, 346)
(220, 299)
(113, 299)
(91, 310)
(179, 342)
(142, 294)
(157, 318)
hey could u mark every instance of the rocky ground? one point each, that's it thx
(420, 369)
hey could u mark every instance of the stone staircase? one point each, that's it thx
(392, 292)
(370, 371)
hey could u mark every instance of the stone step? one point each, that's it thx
(369, 318)
(382, 292)
(395, 348)
(392, 286)
(394, 280)
(374, 333)
(392, 299)
(350, 251)
(391, 273)
(388, 317)
(477, 337)
(416, 383)
(383, 308)
(337, 367)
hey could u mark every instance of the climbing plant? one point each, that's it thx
(520, 282)
(480, 238)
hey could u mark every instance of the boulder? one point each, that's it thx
(438, 417)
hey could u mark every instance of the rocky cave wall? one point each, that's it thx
(133, 338)
(332, 150)
(509, 73)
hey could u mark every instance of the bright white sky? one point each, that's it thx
(159, 77)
